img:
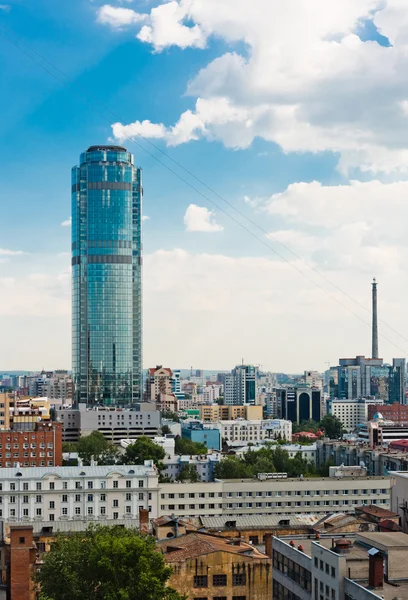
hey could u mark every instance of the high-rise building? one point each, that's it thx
(299, 403)
(106, 275)
(241, 385)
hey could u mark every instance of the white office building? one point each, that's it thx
(242, 430)
(78, 493)
(352, 412)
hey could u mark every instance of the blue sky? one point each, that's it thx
(296, 119)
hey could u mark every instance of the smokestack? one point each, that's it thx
(374, 353)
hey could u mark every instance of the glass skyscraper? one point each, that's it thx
(106, 278)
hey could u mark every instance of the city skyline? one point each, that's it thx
(315, 167)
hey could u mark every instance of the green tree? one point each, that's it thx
(165, 429)
(69, 447)
(190, 473)
(144, 449)
(332, 427)
(95, 445)
(171, 416)
(184, 446)
(105, 563)
(232, 467)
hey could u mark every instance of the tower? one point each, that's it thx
(374, 352)
(106, 278)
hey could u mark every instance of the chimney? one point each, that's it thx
(143, 520)
(342, 546)
(375, 569)
(374, 352)
(268, 544)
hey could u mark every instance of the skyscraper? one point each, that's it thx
(106, 277)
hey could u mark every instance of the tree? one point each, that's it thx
(232, 467)
(69, 447)
(144, 449)
(190, 473)
(332, 427)
(184, 446)
(165, 429)
(108, 563)
(171, 416)
(95, 445)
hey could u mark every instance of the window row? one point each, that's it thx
(221, 580)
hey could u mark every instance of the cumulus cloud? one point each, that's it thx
(199, 218)
(145, 218)
(305, 79)
(118, 16)
(67, 222)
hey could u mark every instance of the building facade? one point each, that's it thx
(106, 278)
(221, 412)
(353, 413)
(196, 432)
(159, 381)
(241, 385)
(299, 403)
(256, 430)
(78, 493)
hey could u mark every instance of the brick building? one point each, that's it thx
(38, 447)
(391, 412)
(209, 566)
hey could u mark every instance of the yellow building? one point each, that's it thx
(16, 411)
(215, 412)
(209, 566)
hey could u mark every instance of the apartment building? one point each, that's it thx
(37, 447)
(216, 412)
(273, 496)
(204, 464)
(255, 430)
(159, 380)
(369, 566)
(78, 493)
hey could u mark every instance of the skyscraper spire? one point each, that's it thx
(374, 352)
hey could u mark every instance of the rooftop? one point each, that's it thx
(384, 540)
(75, 472)
(106, 147)
(259, 521)
(395, 591)
(196, 544)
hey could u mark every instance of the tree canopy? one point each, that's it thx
(269, 459)
(106, 563)
(189, 473)
(95, 445)
(332, 427)
(184, 446)
(144, 449)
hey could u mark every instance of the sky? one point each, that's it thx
(273, 138)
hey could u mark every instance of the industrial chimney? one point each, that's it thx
(374, 353)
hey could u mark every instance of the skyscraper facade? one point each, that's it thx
(106, 278)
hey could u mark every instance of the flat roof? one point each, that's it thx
(309, 479)
(384, 540)
(357, 552)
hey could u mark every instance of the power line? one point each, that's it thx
(84, 95)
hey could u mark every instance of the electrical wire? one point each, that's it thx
(67, 81)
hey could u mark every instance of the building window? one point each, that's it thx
(333, 572)
(52, 485)
(12, 487)
(220, 580)
(25, 499)
(128, 483)
(103, 510)
(64, 497)
(238, 579)
(128, 496)
(200, 581)
(141, 496)
(141, 483)
(77, 510)
(64, 485)
(52, 504)
(38, 512)
(25, 486)
(90, 497)
(103, 497)
(90, 510)
(115, 503)
(38, 498)
(116, 515)
(64, 512)
(77, 497)
(116, 484)
(90, 485)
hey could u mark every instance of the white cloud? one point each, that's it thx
(305, 80)
(6, 252)
(5, 7)
(67, 222)
(118, 17)
(199, 218)
(145, 218)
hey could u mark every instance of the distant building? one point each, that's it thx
(380, 432)
(255, 431)
(353, 413)
(197, 432)
(115, 424)
(203, 463)
(37, 445)
(299, 403)
(159, 380)
(313, 379)
(216, 412)
(241, 385)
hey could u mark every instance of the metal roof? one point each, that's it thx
(260, 521)
(75, 472)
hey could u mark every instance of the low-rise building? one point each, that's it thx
(115, 423)
(202, 434)
(339, 568)
(353, 413)
(217, 412)
(204, 464)
(256, 430)
(78, 493)
(275, 495)
(206, 565)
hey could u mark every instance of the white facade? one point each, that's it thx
(313, 379)
(275, 496)
(255, 430)
(78, 493)
(352, 412)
